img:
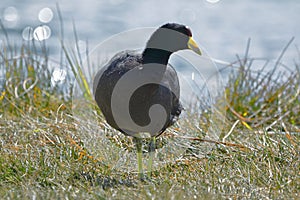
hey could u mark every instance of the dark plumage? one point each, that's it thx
(143, 98)
(163, 90)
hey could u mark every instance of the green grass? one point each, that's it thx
(44, 154)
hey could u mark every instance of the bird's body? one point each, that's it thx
(166, 94)
(139, 92)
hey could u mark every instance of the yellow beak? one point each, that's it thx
(193, 46)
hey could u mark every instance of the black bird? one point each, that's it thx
(139, 92)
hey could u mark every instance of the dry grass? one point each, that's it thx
(44, 153)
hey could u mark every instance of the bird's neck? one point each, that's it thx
(157, 56)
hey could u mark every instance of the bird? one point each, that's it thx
(139, 92)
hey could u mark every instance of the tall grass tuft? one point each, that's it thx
(266, 97)
(25, 77)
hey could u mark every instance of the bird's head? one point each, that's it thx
(173, 37)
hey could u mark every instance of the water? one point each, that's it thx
(222, 28)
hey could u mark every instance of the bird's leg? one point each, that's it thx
(139, 142)
(151, 155)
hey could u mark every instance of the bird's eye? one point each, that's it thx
(189, 32)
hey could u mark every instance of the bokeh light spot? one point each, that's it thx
(10, 14)
(45, 15)
(212, 1)
(27, 33)
(42, 33)
(58, 76)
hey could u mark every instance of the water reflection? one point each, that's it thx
(27, 33)
(41, 33)
(58, 76)
(212, 1)
(10, 14)
(45, 15)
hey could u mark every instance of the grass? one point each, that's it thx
(44, 154)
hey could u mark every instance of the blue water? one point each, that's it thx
(222, 28)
